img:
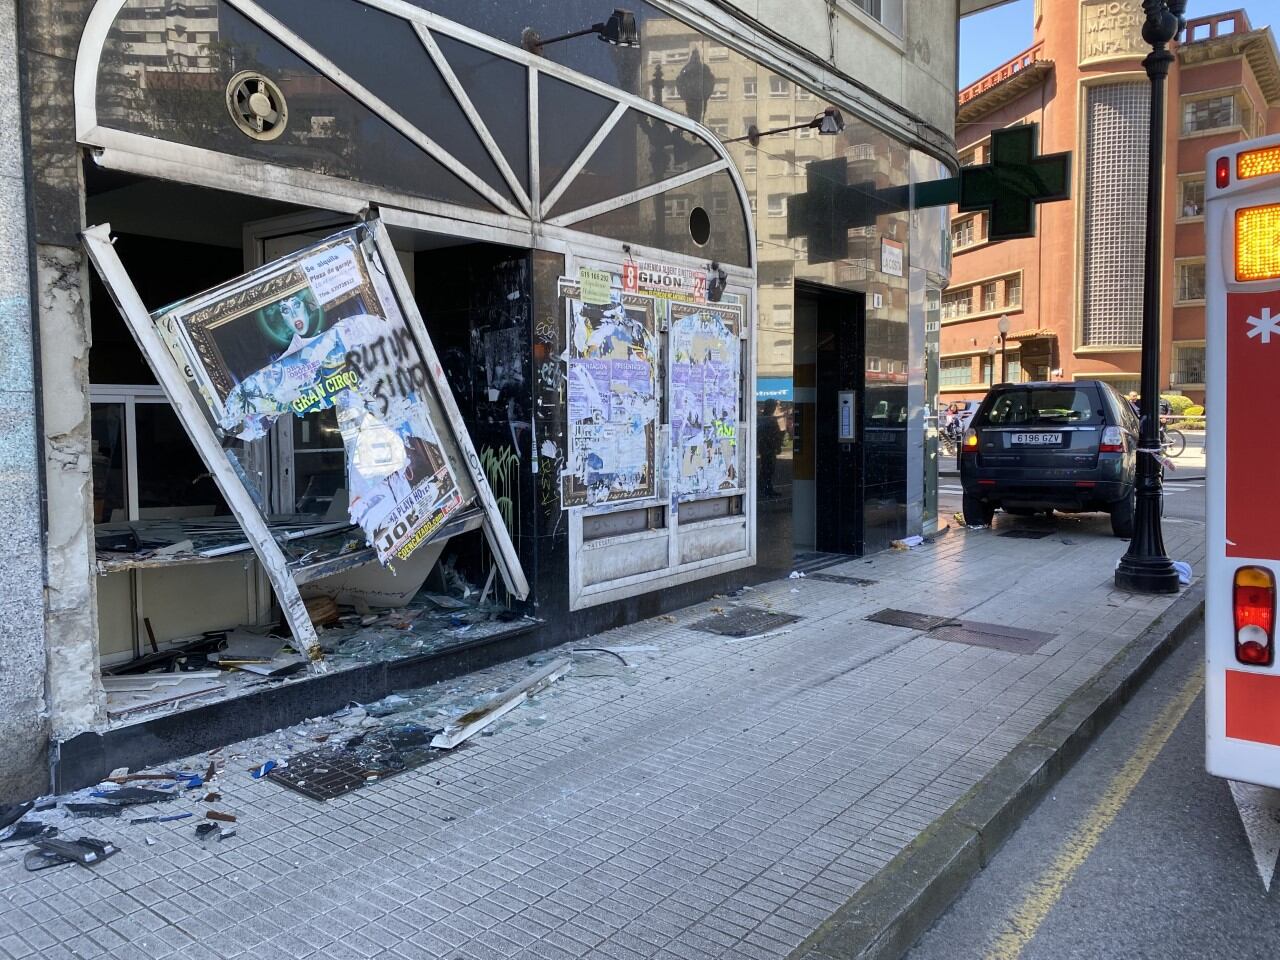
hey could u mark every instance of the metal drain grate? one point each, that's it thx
(837, 578)
(332, 771)
(321, 775)
(993, 635)
(913, 621)
(745, 622)
(1026, 534)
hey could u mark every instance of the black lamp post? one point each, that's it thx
(1144, 568)
(1003, 326)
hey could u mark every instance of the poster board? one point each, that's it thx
(705, 354)
(611, 362)
(317, 329)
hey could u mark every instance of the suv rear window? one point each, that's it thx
(1034, 407)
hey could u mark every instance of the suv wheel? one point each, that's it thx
(1122, 517)
(976, 512)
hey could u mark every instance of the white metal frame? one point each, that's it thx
(520, 223)
(583, 595)
(1232, 758)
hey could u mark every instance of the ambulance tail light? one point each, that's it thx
(1112, 441)
(1222, 173)
(1258, 242)
(1254, 604)
(970, 441)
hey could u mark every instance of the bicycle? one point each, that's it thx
(1172, 441)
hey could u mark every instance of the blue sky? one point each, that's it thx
(990, 38)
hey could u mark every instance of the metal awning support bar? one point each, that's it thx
(97, 242)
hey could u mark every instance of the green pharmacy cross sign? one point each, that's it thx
(1008, 188)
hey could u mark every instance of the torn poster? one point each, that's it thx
(611, 396)
(706, 386)
(316, 330)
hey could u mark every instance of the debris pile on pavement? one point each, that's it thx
(321, 758)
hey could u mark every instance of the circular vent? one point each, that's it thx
(257, 106)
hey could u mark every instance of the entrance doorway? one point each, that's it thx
(829, 377)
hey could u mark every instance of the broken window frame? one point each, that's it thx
(229, 475)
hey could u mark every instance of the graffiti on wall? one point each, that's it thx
(612, 410)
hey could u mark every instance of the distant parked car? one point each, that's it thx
(1051, 446)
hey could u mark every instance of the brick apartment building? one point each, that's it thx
(1072, 293)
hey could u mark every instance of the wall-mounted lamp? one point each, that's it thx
(620, 30)
(828, 123)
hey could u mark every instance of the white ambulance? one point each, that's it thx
(1242, 332)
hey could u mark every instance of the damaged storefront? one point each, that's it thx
(408, 356)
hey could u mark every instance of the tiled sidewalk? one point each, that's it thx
(717, 799)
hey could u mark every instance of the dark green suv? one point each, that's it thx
(1035, 447)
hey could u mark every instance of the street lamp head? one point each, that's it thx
(829, 122)
(620, 29)
(991, 350)
(1003, 324)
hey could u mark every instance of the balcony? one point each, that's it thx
(1001, 73)
(1003, 84)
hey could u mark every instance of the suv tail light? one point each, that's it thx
(1112, 441)
(1254, 604)
(970, 441)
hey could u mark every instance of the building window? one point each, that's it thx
(749, 88)
(1192, 204)
(718, 52)
(969, 158)
(779, 87)
(1191, 282)
(988, 296)
(777, 204)
(962, 233)
(1013, 367)
(957, 304)
(988, 367)
(1212, 113)
(1188, 364)
(887, 12)
(675, 56)
(677, 206)
(1013, 291)
(802, 93)
(749, 161)
(782, 316)
(719, 127)
(805, 133)
(873, 364)
(955, 372)
(1116, 117)
(719, 203)
(720, 91)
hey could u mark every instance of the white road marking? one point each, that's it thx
(1260, 813)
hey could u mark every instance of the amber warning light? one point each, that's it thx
(1257, 163)
(1258, 243)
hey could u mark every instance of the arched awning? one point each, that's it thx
(421, 115)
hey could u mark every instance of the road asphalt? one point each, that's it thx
(1158, 866)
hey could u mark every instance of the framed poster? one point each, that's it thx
(705, 352)
(611, 394)
(316, 330)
